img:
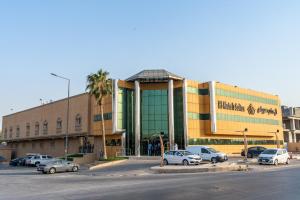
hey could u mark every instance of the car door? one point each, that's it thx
(178, 157)
(280, 156)
(59, 166)
(205, 154)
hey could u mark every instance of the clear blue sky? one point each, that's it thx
(253, 44)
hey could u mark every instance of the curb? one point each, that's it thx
(108, 164)
(165, 170)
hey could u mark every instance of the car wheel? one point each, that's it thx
(214, 160)
(75, 169)
(276, 162)
(287, 161)
(165, 162)
(185, 162)
(52, 170)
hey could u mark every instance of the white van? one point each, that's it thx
(208, 153)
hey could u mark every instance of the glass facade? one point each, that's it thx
(126, 117)
(154, 116)
(154, 113)
(237, 95)
(178, 118)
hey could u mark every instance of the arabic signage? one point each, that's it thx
(224, 105)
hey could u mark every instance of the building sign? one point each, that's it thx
(223, 105)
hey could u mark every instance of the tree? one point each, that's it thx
(100, 86)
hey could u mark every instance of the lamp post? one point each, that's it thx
(162, 149)
(245, 143)
(68, 111)
(277, 140)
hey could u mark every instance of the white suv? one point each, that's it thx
(39, 159)
(181, 157)
(208, 153)
(274, 157)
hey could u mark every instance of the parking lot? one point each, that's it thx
(129, 178)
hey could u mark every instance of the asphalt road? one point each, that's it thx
(133, 181)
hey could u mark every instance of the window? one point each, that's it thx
(44, 157)
(37, 128)
(58, 125)
(18, 131)
(45, 128)
(10, 132)
(78, 122)
(205, 151)
(5, 133)
(27, 129)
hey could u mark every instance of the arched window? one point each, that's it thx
(18, 131)
(37, 128)
(78, 122)
(45, 127)
(28, 129)
(5, 133)
(10, 132)
(58, 125)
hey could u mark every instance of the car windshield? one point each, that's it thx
(212, 150)
(270, 151)
(186, 153)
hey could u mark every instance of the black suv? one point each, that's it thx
(253, 151)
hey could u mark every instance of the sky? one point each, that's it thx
(252, 44)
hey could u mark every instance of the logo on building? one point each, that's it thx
(251, 109)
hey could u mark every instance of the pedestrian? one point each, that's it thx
(149, 148)
(175, 147)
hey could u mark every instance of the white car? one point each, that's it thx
(274, 157)
(181, 157)
(208, 153)
(39, 159)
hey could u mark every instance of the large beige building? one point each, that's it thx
(141, 107)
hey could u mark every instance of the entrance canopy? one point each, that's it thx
(156, 75)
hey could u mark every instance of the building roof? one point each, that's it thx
(154, 75)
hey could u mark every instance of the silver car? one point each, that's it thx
(58, 166)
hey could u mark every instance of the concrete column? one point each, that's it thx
(213, 113)
(290, 137)
(123, 141)
(171, 113)
(137, 119)
(185, 114)
(115, 105)
(293, 128)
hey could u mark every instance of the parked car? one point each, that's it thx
(208, 153)
(253, 151)
(39, 159)
(274, 157)
(17, 162)
(58, 166)
(2, 159)
(28, 157)
(181, 157)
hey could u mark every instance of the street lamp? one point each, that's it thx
(277, 140)
(162, 148)
(245, 143)
(68, 110)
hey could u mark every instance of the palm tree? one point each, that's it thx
(100, 86)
